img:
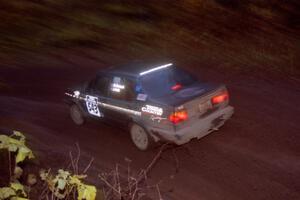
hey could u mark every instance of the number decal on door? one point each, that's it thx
(92, 106)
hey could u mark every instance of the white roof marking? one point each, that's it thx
(155, 69)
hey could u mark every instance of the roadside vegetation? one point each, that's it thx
(262, 34)
(18, 186)
(68, 183)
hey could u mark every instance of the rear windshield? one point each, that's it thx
(166, 81)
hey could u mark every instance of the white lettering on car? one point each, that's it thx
(152, 110)
(157, 118)
(117, 84)
(115, 89)
(92, 106)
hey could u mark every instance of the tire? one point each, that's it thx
(140, 137)
(76, 115)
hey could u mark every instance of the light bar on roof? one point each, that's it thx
(155, 69)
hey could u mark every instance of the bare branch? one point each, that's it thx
(78, 157)
(158, 191)
(88, 166)
(108, 184)
(152, 163)
(72, 161)
(132, 187)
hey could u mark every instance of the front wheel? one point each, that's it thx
(140, 137)
(76, 115)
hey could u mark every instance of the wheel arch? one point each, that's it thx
(134, 120)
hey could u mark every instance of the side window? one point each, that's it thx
(101, 85)
(122, 89)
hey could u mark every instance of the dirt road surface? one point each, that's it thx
(255, 156)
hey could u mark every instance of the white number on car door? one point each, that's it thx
(92, 106)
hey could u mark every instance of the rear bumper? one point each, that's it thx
(200, 128)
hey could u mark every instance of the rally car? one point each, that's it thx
(156, 103)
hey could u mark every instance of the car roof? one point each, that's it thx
(134, 69)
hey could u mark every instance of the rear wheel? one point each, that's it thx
(140, 137)
(76, 115)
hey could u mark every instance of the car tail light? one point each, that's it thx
(177, 86)
(178, 116)
(220, 98)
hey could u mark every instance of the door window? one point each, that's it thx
(122, 89)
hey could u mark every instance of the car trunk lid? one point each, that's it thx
(194, 102)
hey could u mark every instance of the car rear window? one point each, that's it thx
(162, 82)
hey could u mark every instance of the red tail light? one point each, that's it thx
(178, 116)
(220, 98)
(177, 86)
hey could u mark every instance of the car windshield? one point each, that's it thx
(165, 81)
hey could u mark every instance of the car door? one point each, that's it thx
(121, 102)
(96, 96)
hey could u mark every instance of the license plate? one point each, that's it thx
(203, 107)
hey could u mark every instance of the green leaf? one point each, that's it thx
(12, 147)
(44, 175)
(6, 192)
(61, 183)
(64, 183)
(18, 198)
(86, 192)
(20, 135)
(16, 145)
(18, 172)
(75, 181)
(4, 141)
(23, 152)
(63, 174)
(12, 192)
(18, 188)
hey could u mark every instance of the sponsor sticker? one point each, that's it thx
(157, 118)
(152, 110)
(141, 97)
(117, 84)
